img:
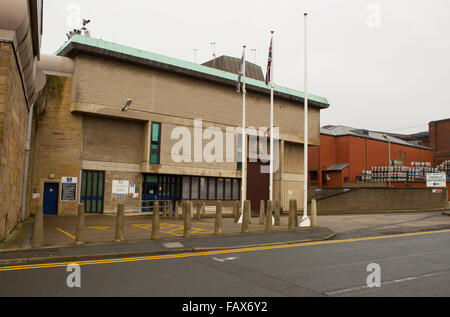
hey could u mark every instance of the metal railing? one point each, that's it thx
(140, 206)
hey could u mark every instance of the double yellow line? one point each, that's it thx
(206, 253)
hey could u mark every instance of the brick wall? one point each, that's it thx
(440, 140)
(13, 129)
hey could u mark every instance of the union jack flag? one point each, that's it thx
(269, 65)
(240, 73)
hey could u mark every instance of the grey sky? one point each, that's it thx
(393, 77)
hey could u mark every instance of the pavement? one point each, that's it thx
(59, 235)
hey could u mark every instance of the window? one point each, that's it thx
(194, 187)
(236, 189)
(212, 188)
(203, 188)
(228, 189)
(209, 188)
(220, 189)
(399, 155)
(155, 146)
(186, 187)
(92, 186)
(313, 177)
(404, 156)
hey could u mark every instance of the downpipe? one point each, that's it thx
(27, 164)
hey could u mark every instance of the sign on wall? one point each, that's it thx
(120, 187)
(436, 180)
(68, 189)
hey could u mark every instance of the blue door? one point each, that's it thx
(50, 204)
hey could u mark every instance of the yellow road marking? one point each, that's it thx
(173, 229)
(66, 233)
(195, 254)
(98, 227)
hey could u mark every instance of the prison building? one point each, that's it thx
(344, 152)
(87, 149)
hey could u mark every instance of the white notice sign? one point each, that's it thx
(68, 188)
(120, 187)
(436, 180)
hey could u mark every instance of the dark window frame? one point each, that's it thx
(84, 181)
(158, 143)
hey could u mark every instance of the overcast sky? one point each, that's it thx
(382, 64)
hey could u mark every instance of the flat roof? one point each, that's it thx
(90, 45)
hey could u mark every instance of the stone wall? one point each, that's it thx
(13, 133)
(383, 199)
(57, 151)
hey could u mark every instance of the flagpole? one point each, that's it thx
(244, 151)
(271, 123)
(305, 222)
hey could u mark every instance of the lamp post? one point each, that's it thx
(389, 141)
(195, 55)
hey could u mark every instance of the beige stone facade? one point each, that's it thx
(84, 129)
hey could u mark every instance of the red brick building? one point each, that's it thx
(439, 140)
(344, 152)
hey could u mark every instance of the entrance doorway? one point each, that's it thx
(257, 185)
(160, 187)
(50, 199)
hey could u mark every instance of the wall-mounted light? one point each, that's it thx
(127, 104)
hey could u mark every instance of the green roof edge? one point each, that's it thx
(114, 47)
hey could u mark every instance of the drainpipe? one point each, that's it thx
(27, 163)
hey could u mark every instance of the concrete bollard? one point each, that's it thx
(269, 212)
(119, 223)
(187, 219)
(313, 213)
(262, 213)
(218, 225)
(277, 211)
(164, 209)
(80, 224)
(155, 221)
(177, 206)
(199, 211)
(292, 224)
(245, 217)
(236, 214)
(38, 230)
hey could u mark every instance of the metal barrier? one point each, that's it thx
(147, 206)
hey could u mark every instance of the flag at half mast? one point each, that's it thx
(240, 73)
(269, 65)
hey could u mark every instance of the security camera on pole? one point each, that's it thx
(305, 222)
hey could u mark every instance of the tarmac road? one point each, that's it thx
(415, 264)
